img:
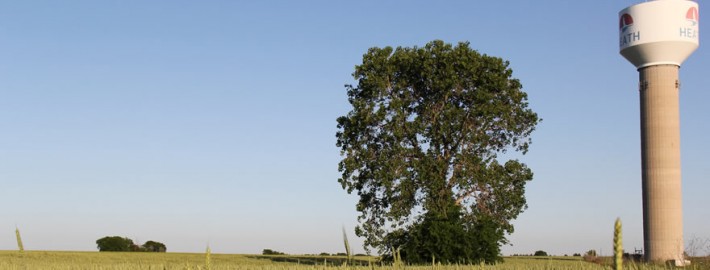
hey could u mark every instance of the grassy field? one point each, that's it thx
(119, 261)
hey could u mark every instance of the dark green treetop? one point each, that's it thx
(153, 246)
(115, 243)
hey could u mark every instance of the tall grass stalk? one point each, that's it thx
(348, 253)
(397, 264)
(19, 240)
(618, 246)
(208, 259)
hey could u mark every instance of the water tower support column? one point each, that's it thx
(660, 161)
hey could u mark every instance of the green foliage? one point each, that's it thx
(125, 244)
(423, 136)
(446, 238)
(115, 243)
(271, 252)
(152, 246)
(540, 253)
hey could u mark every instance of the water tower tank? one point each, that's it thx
(658, 32)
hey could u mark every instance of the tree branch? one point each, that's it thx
(460, 199)
(457, 166)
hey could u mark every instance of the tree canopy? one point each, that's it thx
(271, 252)
(153, 246)
(125, 244)
(115, 243)
(421, 148)
(540, 253)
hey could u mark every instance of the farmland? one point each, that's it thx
(60, 260)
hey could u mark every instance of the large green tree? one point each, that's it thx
(422, 147)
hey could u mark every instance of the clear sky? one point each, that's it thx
(213, 122)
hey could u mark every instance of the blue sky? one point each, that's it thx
(213, 122)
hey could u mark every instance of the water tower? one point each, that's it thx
(656, 37)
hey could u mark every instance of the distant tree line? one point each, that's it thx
(339, 254)
(544, 253)
(271, 252)
(125, 244)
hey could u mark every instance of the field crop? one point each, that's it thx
(55, 260)
(123, 260)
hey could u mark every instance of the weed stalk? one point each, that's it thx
(19, 240)
(618, 246)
